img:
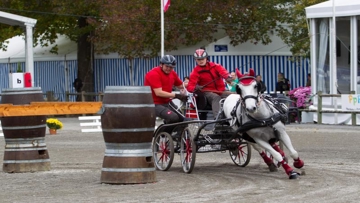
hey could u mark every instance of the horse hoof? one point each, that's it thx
(273, 167)
(294, 175)
(298, 163)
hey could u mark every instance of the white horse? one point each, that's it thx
(261, 121)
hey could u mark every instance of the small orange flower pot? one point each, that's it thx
(52, 131)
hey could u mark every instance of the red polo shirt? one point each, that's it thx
(156, 78)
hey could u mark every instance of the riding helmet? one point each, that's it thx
(200, 54)
(168, 60)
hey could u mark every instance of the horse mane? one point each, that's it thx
(246, 78)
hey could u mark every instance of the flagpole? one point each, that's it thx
(162, 27)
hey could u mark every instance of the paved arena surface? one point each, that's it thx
(331, 173)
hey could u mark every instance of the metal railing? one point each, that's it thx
(51, 96)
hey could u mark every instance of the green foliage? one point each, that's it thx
(19, 69)
(132, 28)
(53, 17)
(293, 28)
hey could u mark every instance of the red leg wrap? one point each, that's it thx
(267, 160)
(277, 148)
(286, 167)
(298, 163)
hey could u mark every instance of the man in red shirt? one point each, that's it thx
(161, 80)
(208, 77)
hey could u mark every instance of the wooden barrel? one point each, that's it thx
(25, 148)
(128, 124)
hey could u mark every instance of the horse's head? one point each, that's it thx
(248, 89)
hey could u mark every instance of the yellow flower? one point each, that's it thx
(54, 123)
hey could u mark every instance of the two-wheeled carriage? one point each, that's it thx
(197, 135)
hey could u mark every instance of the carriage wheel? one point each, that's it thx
(241, 155)
(187, 151)
(163, 149)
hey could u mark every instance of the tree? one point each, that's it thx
(293, 27)
(132, 28)
(58, 17)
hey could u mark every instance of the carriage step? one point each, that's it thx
(210, 148)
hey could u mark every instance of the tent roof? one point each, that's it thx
(325, 9)
(12, 19)
(16, 52)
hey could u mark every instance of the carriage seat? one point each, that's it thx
(204, 108)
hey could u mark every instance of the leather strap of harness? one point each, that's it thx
(255, 123)
(233, 112)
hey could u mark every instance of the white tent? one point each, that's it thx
(331, 22)
(325, 9)
(16, 52)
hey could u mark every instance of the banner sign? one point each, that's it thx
(221, 48)
(350, 102)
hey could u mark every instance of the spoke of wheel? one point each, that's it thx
(242, 154)
(186, 151)
(163, 150)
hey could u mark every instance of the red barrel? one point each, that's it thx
(25, 148)
(128, 124)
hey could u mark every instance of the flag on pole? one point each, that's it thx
(166, 5)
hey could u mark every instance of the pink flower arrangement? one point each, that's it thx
(302, 96)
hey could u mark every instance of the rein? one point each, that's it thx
(254, 122)
(219, 92)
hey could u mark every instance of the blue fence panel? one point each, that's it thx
(58, 76)
(70, 76)
(111, 72)
(50, 76)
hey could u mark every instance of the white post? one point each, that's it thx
(334, 66)
(313, 59)
(353, 54)
(162, 27)
(29, 57)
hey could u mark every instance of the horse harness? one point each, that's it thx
(256, 123)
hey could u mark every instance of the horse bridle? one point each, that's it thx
(249, 96)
